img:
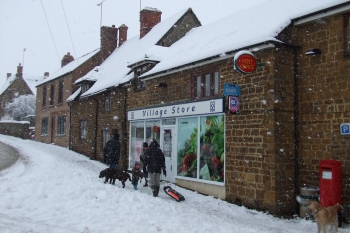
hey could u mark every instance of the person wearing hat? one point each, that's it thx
(136, 175)
(142, 158)
(155, 163)
(111, 151)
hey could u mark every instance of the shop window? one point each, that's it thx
(44, 126)
(200, 153)
(347, 34)
(44, 96)
(61, 125)
(52, 93)
(205, 85)
(142, 132)
(107, 104)
(60, 92)
(83, 130)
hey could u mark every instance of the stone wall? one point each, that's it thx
(18, 129)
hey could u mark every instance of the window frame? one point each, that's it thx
(107, 104)
(44, 126)
(52, 94)
(209, 85)
(44, 96)
(83, 129)
(61, 125)
(60, 92)
(5, 105)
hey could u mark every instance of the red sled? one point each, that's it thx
(173, 193)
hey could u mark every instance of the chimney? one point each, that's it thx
(19, 70)
(8, 75)
(149, 17)
(66, 59)
(46, 75)
(109, 39)
(123, 34)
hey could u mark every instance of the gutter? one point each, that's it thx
(124, 129)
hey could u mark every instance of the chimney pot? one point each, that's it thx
(123, 34)
(66, 59)
(149, 17)
(46, 74)
(8, 75)
(19, 70)
(109, 39)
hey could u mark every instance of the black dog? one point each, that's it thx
(113, 174)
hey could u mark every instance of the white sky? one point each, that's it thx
(23, 25)
(52, 189)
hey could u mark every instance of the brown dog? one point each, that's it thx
(325, 216)
(113, 174)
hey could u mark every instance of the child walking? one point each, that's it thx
(136, 174)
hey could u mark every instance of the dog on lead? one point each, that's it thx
(325, 216)
(113, 174)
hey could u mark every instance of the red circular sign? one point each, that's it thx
(246, 63)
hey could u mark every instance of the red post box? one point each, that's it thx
(330, 182)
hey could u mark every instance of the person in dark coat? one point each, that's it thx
(142, 158)
(155, 164)
(111, 151)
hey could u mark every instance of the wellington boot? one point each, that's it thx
(155, 194)
(156, 191)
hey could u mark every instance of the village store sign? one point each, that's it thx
(245, 62)
(179, 110)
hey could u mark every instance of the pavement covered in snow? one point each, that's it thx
(53, 189)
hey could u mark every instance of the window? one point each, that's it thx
(60, 92)
(5, 105)
(44, 128)
(52, 93)
(83, 129)
(201, 137)
(205, 85)
(105, 136)
(44, 96)
(61, 125)
(85, 87)
(107, 104)
(347, 34)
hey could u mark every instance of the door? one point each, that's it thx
(168, 138)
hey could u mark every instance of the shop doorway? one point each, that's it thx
(168, 137)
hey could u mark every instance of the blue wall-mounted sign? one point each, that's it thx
(231, 89)
(345, 129)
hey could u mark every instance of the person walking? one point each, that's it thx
(154, 163)
(136, 175)
(111, 151)
(142, 158)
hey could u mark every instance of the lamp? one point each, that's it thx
(313, 52)
(161, 85)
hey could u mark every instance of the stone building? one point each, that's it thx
(100, 104)
(52, 110)
(17, 85)
(245, 108)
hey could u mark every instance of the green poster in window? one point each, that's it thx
(212, 147)
(187, 147)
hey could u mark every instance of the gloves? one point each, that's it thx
(164, 172)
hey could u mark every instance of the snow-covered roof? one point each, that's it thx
(113, 71)
(30, 80)
(251, 26)
(74, 95)
(70, 66)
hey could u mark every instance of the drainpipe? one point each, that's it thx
(296, 127)
(96, 125)
(70, 127)
(125, 122)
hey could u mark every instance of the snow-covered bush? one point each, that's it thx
(22, 106)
